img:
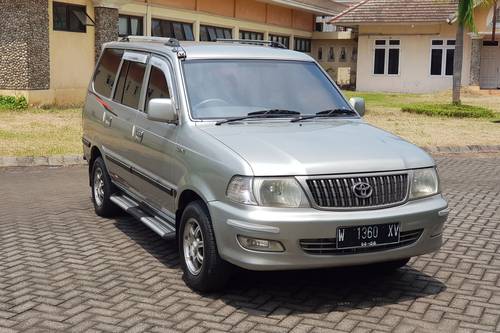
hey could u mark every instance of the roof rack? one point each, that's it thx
(172, 42)
(269, 43)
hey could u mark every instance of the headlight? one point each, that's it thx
(269, 192)
(425, 183)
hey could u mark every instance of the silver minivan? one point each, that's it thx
(248, 154)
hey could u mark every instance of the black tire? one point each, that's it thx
(213, 272)
(103, 206)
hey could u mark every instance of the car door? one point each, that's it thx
(156, 140)
(125, 104)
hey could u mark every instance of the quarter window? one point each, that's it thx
(68, 17)
(157, 86)
(128, 87)
(285, 40)
(386, 57)
(302, 45)
(251, 35)
(130, 26)
(105, 74)
(172, 29)
(211, 34)
(442, 57)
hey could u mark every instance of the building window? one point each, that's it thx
(105, 74)
(386, 57)
(343, 55)
(68, 17)
(211, 34)
(331, 55)
(442, 57)
(130, 26)
(302, 45)
(251, 35)
(285, 40)
(320, 53)
(172, 29)
(354, 55)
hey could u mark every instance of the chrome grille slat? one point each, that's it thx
(336, 192)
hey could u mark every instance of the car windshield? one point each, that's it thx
(234, 88)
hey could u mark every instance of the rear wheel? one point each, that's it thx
(203, 268)
(102, 189)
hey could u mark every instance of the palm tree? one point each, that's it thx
(465, 20)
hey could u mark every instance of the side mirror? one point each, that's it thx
(358, 104)
(162, 110)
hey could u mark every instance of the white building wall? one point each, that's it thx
(415, 59)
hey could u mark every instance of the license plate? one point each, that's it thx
(367, 235)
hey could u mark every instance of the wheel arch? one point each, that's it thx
(94, 154)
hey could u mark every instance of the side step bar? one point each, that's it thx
(161, 226)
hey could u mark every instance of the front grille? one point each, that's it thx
(328, 246)
(387, 190)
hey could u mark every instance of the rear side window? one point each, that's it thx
(106, 71)
(157, 86)
(128, 88)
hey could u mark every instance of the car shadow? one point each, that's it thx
(304, 291)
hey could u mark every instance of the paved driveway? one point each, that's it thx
(63, 268)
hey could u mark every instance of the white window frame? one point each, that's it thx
(386, 47)
(443, 47)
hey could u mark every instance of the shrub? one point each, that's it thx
(449, 110)
(13, 103)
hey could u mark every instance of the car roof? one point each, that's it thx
(218, 50)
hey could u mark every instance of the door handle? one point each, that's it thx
(107, 121)
(139, 134)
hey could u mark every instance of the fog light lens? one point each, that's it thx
(256, 244)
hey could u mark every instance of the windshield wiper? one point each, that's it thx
(271, 113)
(325, 114)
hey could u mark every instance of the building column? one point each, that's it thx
(106, 22)
(24, 45)
(475, 62)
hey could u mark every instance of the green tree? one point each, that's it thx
(465, 20)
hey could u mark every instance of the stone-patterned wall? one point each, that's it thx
(106, 27)
(24, 45)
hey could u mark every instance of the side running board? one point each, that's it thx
(161, 226)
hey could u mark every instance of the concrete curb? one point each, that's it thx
(69, 160)
(55, 160)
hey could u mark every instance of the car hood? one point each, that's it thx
(318, 147)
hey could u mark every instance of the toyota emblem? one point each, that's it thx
(362, 190)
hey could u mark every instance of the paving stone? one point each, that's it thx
(65, 269)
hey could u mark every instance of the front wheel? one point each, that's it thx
(203, 268)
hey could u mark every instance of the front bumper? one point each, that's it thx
(289, 226)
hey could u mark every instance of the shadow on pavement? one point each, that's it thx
(305, 291)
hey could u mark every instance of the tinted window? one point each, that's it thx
(173, 29)
(449, 61)
(157, 86)
(69, 17)
(393, 61)
(211, 34)
(128, 88)
(436, 61)
(130, 25)
(105, 74)
(379, 62)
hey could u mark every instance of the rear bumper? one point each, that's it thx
(289, 226)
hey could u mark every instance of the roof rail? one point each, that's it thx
(269, 43)
(167, 41)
